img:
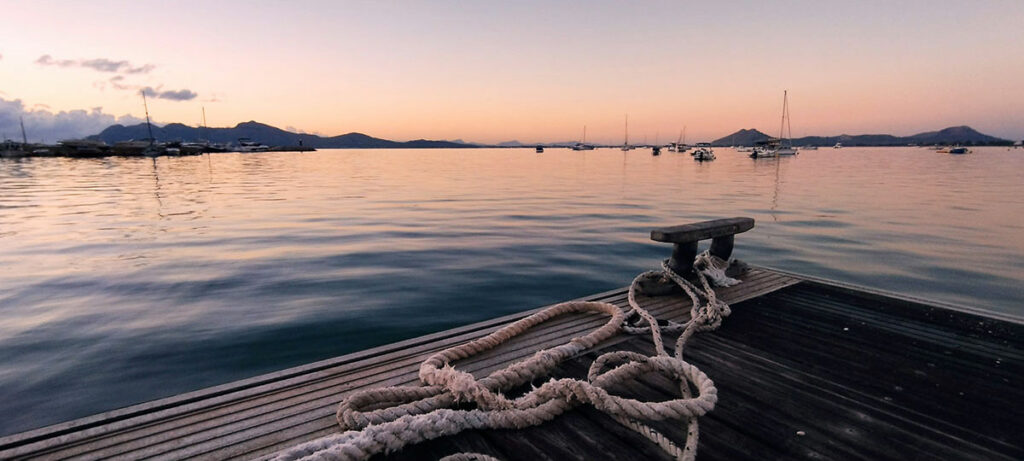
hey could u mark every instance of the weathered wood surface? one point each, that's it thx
(810, 372)
(862, 375)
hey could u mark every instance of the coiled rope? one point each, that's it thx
(384, 420)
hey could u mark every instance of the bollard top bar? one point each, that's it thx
(702, 230)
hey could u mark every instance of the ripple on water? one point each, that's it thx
(124, 280)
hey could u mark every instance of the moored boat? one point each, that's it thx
(248, 145)
(704, 155)
(703, 150)
(764, 149)
(11, 149)
(582, 145)
(785, 128)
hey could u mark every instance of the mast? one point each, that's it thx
(148, 126)
(684, 134)
(782, 123)
(584, 135)
(626, 142)
(24, 139)
(789, 122)
(206, 131)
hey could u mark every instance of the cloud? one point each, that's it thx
(173, 95)
(98, 64)
(43, 124)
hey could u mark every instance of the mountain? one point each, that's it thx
(744, 137)
(952, 135)
(260, 132)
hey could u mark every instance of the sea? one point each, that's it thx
(124, 280)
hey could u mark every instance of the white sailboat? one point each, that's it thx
(783, 149)
(582, 145)
(152, 150)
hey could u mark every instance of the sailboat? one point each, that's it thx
(582, 145)
(678, 145)
(11, 149)
(625, 142)
(152, 150)
(785, 124)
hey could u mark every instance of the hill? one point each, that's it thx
(263, 133)
(744, 137)
(953, 135)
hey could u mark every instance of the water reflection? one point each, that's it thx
(124, 280)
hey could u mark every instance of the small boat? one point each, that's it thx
(703, 151)
(130, 147)
(248, 145)
(744, 149)
(582, 145)
(810, 148)
(838, 145)
(540, 149)
(680, 144)
(762, 153)
(765, 149)
(83, 147)
(656, 150)
(704, 155)
(959, 150)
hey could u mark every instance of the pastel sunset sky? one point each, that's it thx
(534, 71)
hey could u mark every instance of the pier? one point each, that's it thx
(805, 368)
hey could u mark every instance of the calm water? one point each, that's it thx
(124, 280)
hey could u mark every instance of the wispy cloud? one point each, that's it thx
(118, 82)
(43, 124)
(98, 64)
(173, 95)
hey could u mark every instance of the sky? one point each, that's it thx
(533, 71)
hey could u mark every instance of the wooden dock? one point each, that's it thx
(805, 369)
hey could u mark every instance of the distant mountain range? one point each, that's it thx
(259, 132)
(953, 135)
(273, 136)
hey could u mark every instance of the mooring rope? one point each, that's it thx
(383, 420)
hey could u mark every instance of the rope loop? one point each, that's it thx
(384, 420)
